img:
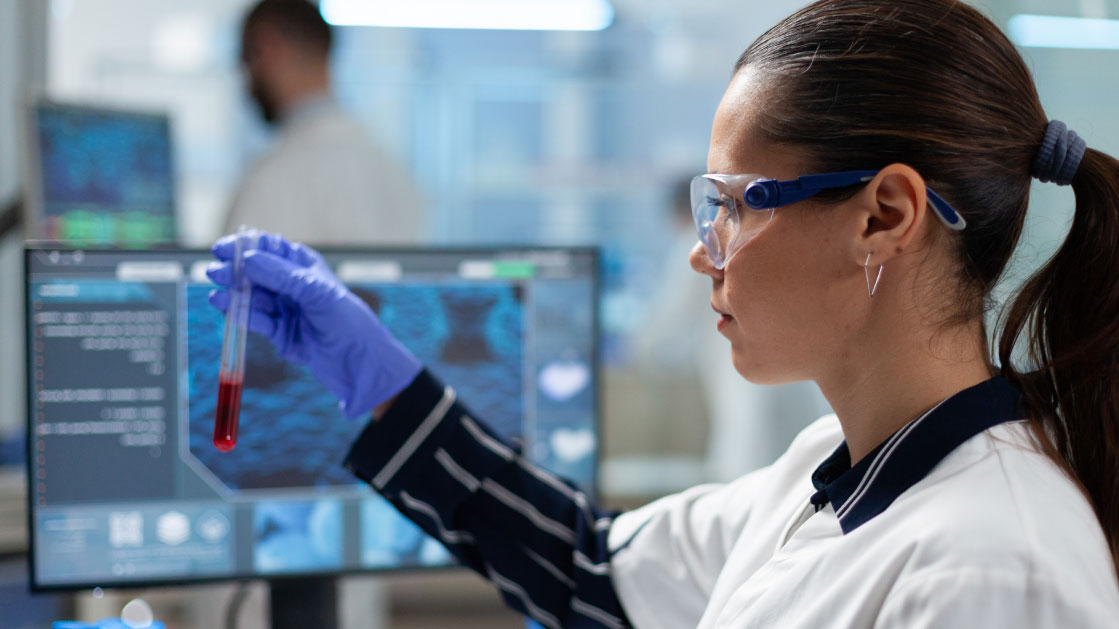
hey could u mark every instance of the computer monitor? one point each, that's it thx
(125, 485)
(99, 176)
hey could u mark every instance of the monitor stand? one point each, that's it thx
(304, 602)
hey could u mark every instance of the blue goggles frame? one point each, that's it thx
(765, 194)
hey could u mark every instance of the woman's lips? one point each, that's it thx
(724, 321)
(724, 318)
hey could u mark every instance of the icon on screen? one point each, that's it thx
(213, 526)
(126, 528)
(172, 528)
(562, 380)
(571, 445)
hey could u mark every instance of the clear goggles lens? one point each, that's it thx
(723, 221)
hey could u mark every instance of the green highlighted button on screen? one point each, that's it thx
(497, 269)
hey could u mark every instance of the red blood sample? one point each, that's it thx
(229, 410)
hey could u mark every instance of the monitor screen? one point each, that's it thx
(125, 484)
(100, 176)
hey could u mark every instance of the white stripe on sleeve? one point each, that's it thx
(449, 535)
(522, 506)
(415, 439)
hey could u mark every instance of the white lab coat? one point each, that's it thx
(995, 536)
(324, 182)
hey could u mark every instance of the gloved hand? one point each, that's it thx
(314, 320)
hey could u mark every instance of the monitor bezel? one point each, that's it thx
(34, 205)
(33, 247)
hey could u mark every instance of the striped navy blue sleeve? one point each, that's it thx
(536, 537)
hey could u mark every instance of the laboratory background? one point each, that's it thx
(519, 125)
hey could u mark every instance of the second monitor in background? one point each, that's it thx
(99, 176)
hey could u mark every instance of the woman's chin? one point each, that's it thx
(757, 373)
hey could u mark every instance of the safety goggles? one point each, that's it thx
(729, 210)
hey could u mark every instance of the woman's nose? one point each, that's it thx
(701, 262)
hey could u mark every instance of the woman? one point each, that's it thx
(948, 489)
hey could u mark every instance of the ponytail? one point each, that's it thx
(1069, 311)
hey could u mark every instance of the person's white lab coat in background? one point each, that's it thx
(324, 182)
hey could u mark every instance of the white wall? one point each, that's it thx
(11, 494)
(22, 45)
(9, 80)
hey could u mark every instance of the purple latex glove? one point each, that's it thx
(314, 320)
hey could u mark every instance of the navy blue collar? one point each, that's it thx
(861, 492)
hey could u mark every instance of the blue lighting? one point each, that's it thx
(535, 15)
(1051, 31)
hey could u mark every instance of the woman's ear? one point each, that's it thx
(892, 213)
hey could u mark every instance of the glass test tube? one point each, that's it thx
(232, 374)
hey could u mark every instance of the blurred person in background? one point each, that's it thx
(323, 179)
(750, 425)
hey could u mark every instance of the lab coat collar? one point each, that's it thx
(861, 492)
(307, 108)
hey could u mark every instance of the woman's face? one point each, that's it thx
(787, 297)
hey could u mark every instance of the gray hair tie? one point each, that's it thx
(1059, 155)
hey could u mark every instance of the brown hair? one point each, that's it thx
(935, 85)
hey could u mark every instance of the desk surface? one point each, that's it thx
(13, 511)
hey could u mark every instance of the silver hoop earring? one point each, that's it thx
(869, 289)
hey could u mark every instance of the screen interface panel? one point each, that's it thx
(126, 486)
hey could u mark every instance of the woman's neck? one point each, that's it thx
(892, 376)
